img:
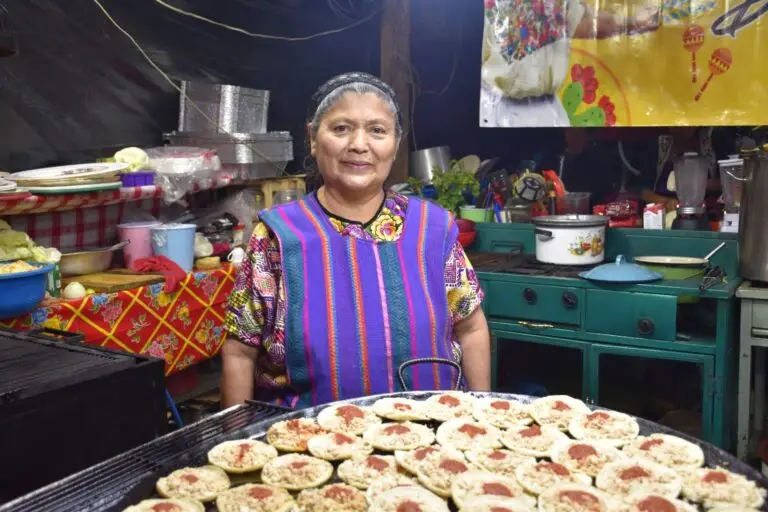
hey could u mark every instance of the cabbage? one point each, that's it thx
(15, 245)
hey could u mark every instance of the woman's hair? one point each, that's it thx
(330, 93)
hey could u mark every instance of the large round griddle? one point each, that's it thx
(714, 457)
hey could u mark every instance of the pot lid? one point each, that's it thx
(570, 221)
(621, 271)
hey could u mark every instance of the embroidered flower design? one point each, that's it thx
(337, 224)
(609, 108)
(585, 75)
(386, 228)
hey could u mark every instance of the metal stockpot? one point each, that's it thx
(753, 243)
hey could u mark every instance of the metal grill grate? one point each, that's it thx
(130, 477)
(516, 263)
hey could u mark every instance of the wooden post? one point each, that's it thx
(396, 71)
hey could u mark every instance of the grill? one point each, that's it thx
(515, 262)
(130, 477)
(72, 405)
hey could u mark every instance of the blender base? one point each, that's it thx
(695, 223)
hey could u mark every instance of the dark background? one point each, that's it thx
(78, 88)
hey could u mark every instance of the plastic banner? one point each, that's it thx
(624, 63)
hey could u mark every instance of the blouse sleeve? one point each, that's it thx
(250, 313)
(461, 284)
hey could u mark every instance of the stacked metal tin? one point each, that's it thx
(232, 120)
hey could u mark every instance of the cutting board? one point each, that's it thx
(114, 281)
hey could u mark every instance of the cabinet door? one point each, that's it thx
(537, 364)
(667, 387)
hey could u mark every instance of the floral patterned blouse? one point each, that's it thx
(257, 307)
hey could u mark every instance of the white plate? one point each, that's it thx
(671, 260)
(6, 185)
(75, 189)
(69, 171)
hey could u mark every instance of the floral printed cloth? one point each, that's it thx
(257, 307)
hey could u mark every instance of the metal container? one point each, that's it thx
(240, 148)
(573, 202)
(233, 108)
(753, 217)
(424, 161)
(570, 239)
(88, 261)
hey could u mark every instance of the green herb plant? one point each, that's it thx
(451, 185)
(416, 185)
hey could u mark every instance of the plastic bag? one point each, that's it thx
(179, 168)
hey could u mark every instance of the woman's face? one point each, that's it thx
(356, 143)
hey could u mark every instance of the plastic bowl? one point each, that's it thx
(466, 238)
(465, 226)
(21, 292)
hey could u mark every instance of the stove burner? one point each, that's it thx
(516, 262)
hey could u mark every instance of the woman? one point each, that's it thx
(342, 287)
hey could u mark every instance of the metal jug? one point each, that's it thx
(753, 218)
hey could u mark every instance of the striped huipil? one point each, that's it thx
(356, 310)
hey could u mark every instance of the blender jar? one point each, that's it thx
(731, 176)
(691, 180)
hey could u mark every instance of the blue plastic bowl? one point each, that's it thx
(21, 292)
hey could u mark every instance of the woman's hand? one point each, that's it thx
(238, 364)
(475, 341)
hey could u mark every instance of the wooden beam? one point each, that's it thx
(396, 71)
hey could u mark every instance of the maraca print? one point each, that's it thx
(693, 39)
(719, 63)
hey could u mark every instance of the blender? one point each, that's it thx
(731, 176)
(691, 186)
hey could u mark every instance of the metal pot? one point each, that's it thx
(88, 261)
(753, 217)
(570, 239)
(424, 161)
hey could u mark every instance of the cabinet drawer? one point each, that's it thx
(638, 315)
(760, 314)
(547, 304)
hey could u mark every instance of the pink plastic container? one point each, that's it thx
(140, 240)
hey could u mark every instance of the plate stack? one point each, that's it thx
(233, 121)
(67, 179)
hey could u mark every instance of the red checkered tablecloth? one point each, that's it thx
(76, 221)
(184, 327)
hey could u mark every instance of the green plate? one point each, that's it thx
(75, 189)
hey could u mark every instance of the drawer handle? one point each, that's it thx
(645, 326)
(529, 294)
(534, 325)
(570, 300)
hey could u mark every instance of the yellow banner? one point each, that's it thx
(624, 63)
